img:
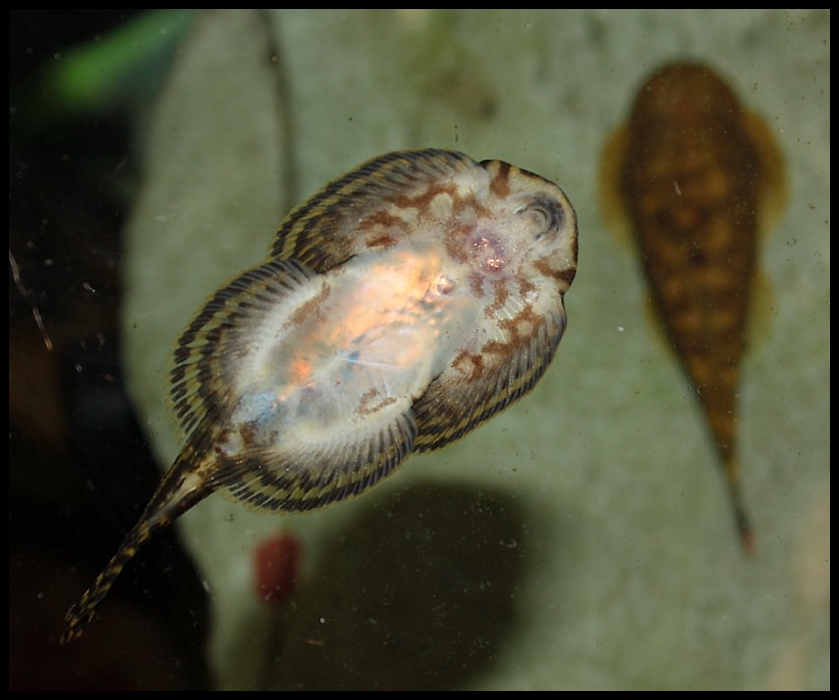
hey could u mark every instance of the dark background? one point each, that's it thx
(79, 467)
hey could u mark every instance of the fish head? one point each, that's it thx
(521, 245)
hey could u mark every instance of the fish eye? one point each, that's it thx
(548, 215)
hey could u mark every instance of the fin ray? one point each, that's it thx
(220, 334)
(326, 231)
(457, 403)
(301, 475)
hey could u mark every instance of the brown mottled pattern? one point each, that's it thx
(690, 175)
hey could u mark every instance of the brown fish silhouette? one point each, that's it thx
(402, 306)
(696, 175)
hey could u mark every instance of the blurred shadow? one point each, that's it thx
(419, 593)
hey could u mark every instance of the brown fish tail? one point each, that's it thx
(741, 516)
(177, 493)
(80, 614)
